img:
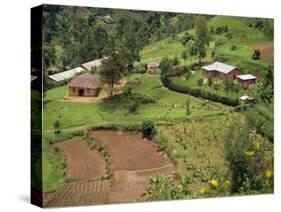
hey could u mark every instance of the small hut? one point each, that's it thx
(246, 100)
(246, 79)
(153, 67)
(87, 84)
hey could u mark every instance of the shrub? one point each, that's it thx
(132, 108)
(57, 127)
(233, 47)
(162, 188)
(148, 129)
(184, 55)
(200, 82)
(256, 55)
(210, 81)
(229, 36)
(176, 61)
(245, 154)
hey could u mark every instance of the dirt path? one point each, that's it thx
(134, 160)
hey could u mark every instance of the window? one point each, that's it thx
(88, 90)
(73, 90)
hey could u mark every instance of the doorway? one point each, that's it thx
(81, 92)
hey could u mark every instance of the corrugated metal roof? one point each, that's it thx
(245, 97)
(86, 80)
(66, 74)
(220, 67)
(246, 77)
(92, 64)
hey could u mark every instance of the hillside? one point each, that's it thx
(241, 33)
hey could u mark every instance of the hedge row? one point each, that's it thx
(204, 94)
(196, 92)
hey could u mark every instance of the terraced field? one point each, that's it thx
(134, 160)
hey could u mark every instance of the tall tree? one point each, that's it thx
(201, 36)
(112, 70)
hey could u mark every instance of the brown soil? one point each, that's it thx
(129, 151)
(83, 163)
(267, 50)
(134, 160)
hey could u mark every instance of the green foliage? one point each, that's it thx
(245, 155)
(112, 70)
(57, 126)
(166, 65)
(148, 129)
(233, 47)
(162, 188)
(200, 82)
(176, 60)
(210, 81)
(201, 37)
(257, 54)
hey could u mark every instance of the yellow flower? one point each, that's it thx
(203, 190)
(214, 183)
(249, 154)
(268, 173)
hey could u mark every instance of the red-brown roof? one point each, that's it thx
(86, 80)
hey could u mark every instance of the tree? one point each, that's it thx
(186, 38)
(112, 70)
(57, 127)
(184, 55)
(148, 129)
(176, 60)
(201, 36)
(165, 65)
(257, 54)
(130, 47)
(200, 82)
(245, 156)
(210, 81)
(187, 107)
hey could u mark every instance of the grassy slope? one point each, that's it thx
(192, 82)
(243, 36)
(73, 114)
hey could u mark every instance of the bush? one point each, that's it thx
(148, 129)
(204, 94)
(256, 55)
(233, 47)
(210, 81)
(162, 188)
(132, 108)
(176, 61)
(245, 154)
(200, 82)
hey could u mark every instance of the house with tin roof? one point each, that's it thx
(220, 70)
(246, 79)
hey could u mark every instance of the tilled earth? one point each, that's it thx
(134, 160)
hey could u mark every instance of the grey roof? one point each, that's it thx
(245, 97)
(66, 74)
(246, 77)
(92, 64)
(153, 64)
(220, 67)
